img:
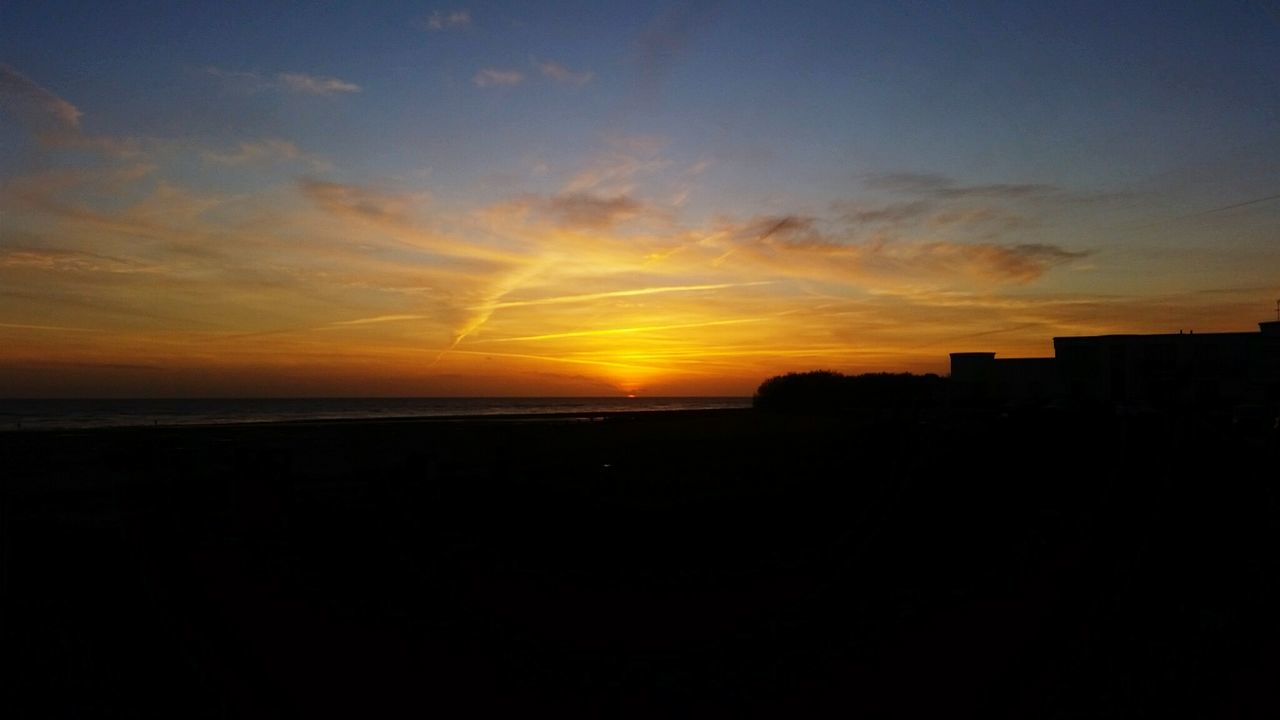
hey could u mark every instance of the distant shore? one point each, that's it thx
(26, 415)
(397, 420)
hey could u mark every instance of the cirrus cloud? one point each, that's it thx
(490, 77)
(290, 82)
(51, 119)
(438, 21)
(795, 246)
(315, 84)
(34, 104)
(562, 74)
(266, 151)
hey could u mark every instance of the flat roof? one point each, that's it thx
(1162, 335)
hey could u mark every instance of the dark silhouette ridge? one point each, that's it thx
(830, 391)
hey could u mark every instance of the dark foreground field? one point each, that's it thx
(653, 565)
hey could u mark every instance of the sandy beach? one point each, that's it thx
(639, 565)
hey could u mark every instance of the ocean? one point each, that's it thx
(79, 414)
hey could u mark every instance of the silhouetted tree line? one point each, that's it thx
(829, 391)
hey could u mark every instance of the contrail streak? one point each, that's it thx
(379, 319)
(486, 310)
(622, 293)
(719, 352)
(48, 327)
(1210, 211)
(967, 336)
(1246, 203)
(573, 361)
(619, 331)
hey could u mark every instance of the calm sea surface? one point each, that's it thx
(52, 414)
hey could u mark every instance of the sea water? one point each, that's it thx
(73, 414)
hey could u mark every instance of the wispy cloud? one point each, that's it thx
(34, 104)
(491, 299)
(891, 213)
(795, 246)
(490, 77)
(53, 120)
(240, 80)
(456, 19)
(61, 195)
(290, 82)
(622, 330)
(562, 74)
(266, 151)
(68, 261)
(591, 212)
(394, 214)
(665, 41)
(315, 84)
(1237, 205)
(55, 328)
(619, 169)
(566, 360)
(625, 293)
(940, 186)
(363, 202)
(922, 207)
(379, 320)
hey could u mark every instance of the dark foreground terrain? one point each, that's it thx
(655, 565)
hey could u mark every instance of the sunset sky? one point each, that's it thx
(485, 198)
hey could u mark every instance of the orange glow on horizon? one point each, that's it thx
(181, 266)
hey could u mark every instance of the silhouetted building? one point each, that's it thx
(1204, 370)
(1182, 370)
(979, 377)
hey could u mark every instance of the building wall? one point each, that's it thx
(1158, 371)
(980, 377)
(1028, 380)
(1161, 371)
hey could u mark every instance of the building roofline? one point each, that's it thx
(1238, 333)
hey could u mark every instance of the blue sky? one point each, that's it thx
(1007, 170)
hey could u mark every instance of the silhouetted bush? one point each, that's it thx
(814, 390)
(827, 391)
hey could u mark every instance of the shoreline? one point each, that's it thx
(566, 416)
